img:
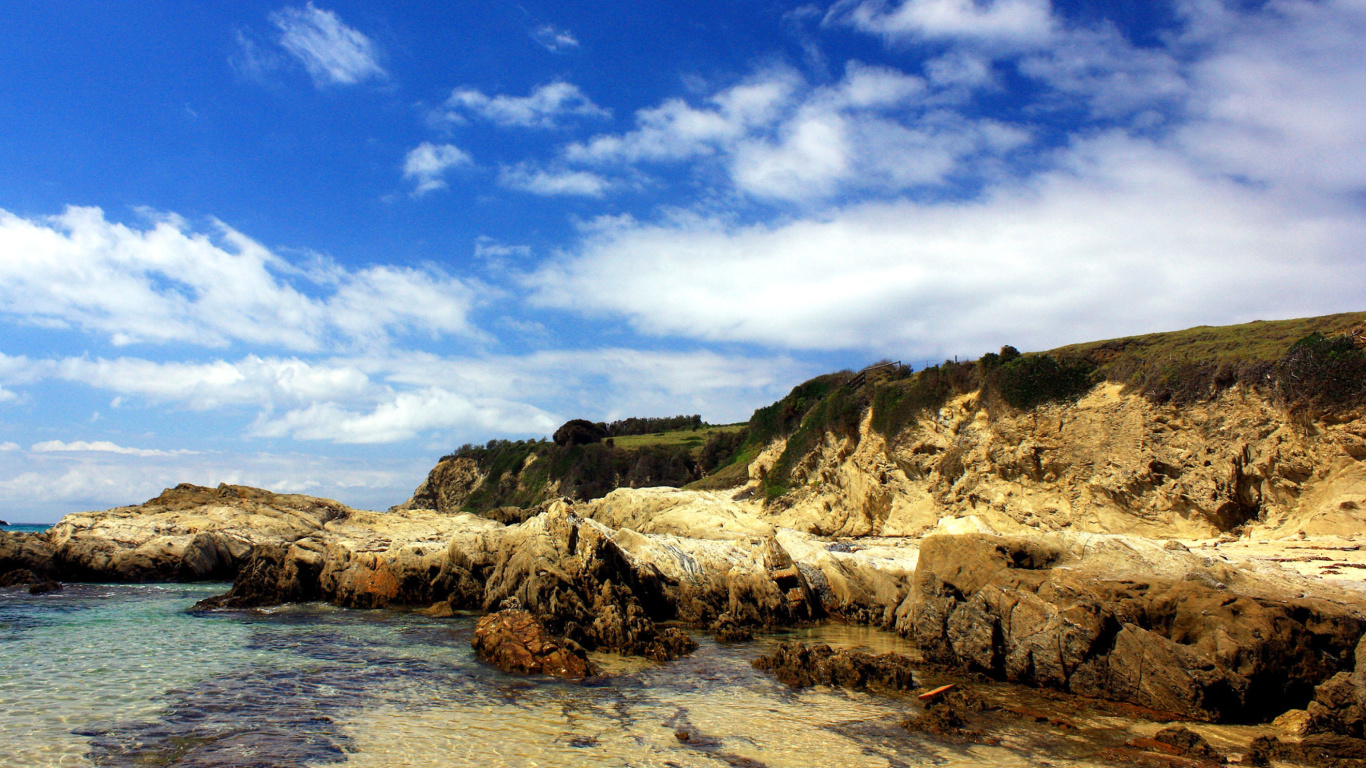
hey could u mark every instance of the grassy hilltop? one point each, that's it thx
(1315, 364)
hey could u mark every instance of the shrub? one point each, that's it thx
(1323, 372)
(1026, 381)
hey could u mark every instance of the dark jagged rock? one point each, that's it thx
(275, 574)
(1186, 742)
(1339, 704)
(23, 577)
(946, 717)
(1324, 750)
(727, 630)
(579, 432)
(515, 641)
(45, 586)
(571, 574)
(802, 665)
(998, 606)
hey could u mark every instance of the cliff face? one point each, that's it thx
(1110, 462)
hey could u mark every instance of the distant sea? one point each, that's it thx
(26, 527)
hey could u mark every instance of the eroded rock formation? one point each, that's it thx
(803, 665)
(1032, 611)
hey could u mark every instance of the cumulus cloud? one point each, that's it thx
(332, 52)
(777, 137)
(540, 181)
(545, 107)
(1123, 236)
(101, 446)
(427, 163)
(553, 39)
(9, 447)
(168, 283)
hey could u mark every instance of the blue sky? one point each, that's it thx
(314, 246)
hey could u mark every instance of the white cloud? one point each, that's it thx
(403, 415)
(41, 487)
(427, 164)
(1108, 74)
(101, 446)
(489, 249)
(171, 284)
(253, 381)
(677, 131)
(7, 447)
(544, 107)
(252, 60)
(877, 129)
(1280, 98)
(332, 52)
(390, 396)
(554, 40)
(540, 181)
(1013, 22)
(1123, 237)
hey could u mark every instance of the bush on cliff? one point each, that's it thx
(1027, 381)
(1324, 372)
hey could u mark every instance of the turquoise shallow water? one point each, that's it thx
(122, 675)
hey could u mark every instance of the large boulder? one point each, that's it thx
(573, 575)
(515, 641)
(187, 533)
(1030, 611)
(28, 552)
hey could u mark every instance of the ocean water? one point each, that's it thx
(26, 527)
(123, 675)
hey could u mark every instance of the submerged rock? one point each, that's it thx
(22, 577)
(1180, 741)
(515, 641)
(801, 665)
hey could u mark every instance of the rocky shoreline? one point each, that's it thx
(1148, 622)
(1196, 563)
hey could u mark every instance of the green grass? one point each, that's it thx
(1258, 341)
(692, 438)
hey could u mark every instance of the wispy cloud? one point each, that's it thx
(169, 283)
(539, 181)
(553, 39)
(102, 446)
(426, 165)
(332, 52)
(544, 107)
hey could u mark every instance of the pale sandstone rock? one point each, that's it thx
(690, 514)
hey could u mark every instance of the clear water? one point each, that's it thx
(122, 675)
